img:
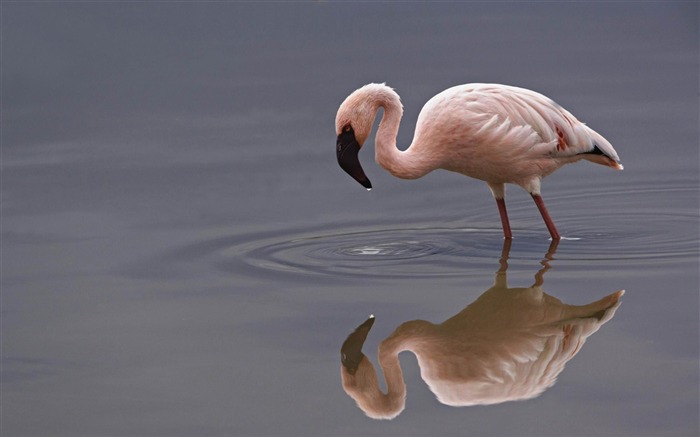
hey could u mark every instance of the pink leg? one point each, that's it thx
(504, 218)
(545, 215)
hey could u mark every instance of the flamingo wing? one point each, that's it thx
(559, 133)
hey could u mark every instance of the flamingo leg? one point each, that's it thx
(545, 215)
(504, 218)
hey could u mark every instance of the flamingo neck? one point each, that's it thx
(365, 390)
(404, 338)
(402, 164)
(393, 376)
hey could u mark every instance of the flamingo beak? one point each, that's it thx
(346, 150)
(351, 351)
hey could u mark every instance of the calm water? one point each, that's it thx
(182, 256)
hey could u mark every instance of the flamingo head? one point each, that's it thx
(360, 381)
(353, 124)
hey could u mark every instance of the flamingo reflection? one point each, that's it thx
(510, 344)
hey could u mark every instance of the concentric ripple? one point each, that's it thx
(414, 251)
(648, 227)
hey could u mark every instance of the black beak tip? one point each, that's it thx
(369, 322)
(351, 351)
(347, 150)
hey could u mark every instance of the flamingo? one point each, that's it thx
(510, 344)
(496, 133)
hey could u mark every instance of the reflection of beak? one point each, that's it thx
(347, 149)
(351, 351)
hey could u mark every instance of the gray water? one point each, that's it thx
(181, 254)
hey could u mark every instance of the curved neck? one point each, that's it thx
(378, 404)
(402, 164)
(393, 376)
(363, 386)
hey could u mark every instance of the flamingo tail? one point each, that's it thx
(602, 151)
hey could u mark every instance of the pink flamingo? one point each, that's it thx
(497, 133)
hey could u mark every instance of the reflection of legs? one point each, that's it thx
(539, 276)
(501, 278)
(504, 255)
(549, 256)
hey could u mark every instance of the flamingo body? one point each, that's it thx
(510, 344)
(496, 133)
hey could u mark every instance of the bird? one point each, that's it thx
(510, 344)
(500, 134)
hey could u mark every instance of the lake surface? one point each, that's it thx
(181, 254)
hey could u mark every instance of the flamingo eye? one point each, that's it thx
(347, 128)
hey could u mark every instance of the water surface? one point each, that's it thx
(182, 256)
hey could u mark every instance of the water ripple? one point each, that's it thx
(367, 252)
(641, 229)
